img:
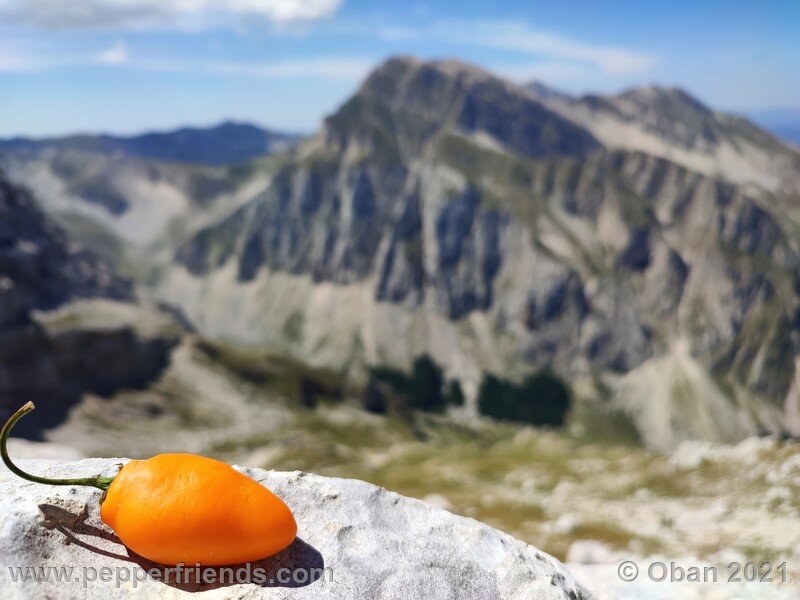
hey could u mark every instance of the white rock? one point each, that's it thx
(750, 449)
(607, 585)
(788, 472)
(374, 544)
(776, 496)
(591, 552)
(690, 454)
(564, 524)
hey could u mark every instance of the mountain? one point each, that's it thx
(642, 247)
(404, 105)
(125, 196)
(49, 351)
(669, 123)
(443, 210)
(224, 144)
(126, 208)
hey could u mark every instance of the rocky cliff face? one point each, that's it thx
(54, 357)
(422, 220)
(355, 541)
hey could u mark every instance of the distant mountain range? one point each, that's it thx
(224, 144)
(643, 246)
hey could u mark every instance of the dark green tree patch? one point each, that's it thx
(541, 399)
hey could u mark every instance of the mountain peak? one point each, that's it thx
(447, 66)
(406, 102)
(386, 78)
(664, 98)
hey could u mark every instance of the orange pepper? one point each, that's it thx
(183, 508)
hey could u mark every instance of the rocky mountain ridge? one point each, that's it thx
(670, 123)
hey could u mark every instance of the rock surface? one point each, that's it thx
(372, 544)
(607, 585)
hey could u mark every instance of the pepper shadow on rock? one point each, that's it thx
(297, 566)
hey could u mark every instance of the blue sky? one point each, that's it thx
(131, 65)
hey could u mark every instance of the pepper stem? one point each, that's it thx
(98, 482)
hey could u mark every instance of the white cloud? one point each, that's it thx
(348, 69)
(521, 38)
(65, 14)
(10, 58)
(16, 57)
(343, 68)
(351, 69)
(114, 55)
